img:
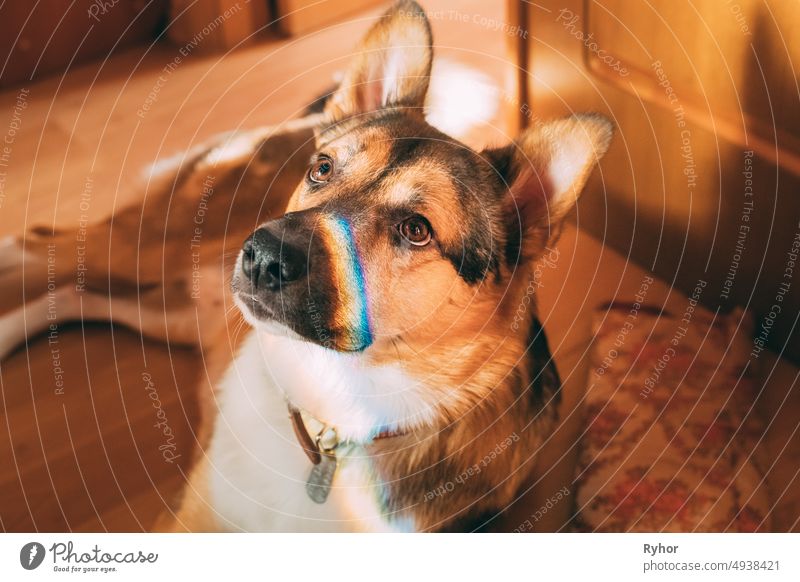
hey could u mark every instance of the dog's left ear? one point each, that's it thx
(392, 66)
(545, 171)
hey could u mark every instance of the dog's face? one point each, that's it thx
(399, 231)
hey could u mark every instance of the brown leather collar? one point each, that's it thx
(311, 446)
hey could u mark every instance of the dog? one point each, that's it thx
(388, 380)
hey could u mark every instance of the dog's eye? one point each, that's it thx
(321, 170)
(416, 230)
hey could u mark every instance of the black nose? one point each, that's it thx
(270, 262)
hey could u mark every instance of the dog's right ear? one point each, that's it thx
(392, 66)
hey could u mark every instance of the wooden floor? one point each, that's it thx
(89, 459)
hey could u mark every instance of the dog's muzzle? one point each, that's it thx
(326, 304)
(270, 263)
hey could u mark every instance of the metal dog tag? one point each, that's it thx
(319, 481)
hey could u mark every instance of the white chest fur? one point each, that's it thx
(258, 472)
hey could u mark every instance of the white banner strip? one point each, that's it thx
(406, 558)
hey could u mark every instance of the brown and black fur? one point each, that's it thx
(443, 311)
